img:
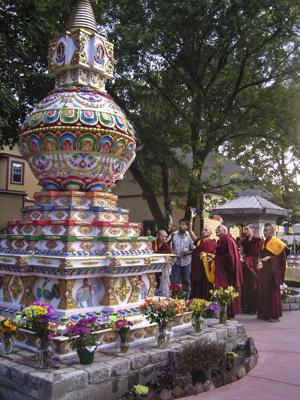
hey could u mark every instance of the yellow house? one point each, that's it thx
(17, 185)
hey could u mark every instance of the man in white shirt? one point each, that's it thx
(182, 246)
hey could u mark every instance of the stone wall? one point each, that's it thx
(111, 376)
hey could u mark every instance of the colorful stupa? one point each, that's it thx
(75, 247)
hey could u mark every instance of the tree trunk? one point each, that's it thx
(159, 218)
(166, 193)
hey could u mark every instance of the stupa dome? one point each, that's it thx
(77, 138)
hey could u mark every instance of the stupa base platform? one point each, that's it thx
(112, 375)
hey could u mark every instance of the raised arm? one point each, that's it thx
(191, 232)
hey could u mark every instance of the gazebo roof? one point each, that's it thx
(252, 204)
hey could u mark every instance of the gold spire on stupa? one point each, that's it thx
(83, 16)
(81, 56)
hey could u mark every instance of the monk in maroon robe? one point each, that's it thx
(228, 270)
(160, 245)
(250, 249)
(202, 276)
(271, 276)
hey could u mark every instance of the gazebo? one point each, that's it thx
(249, 208)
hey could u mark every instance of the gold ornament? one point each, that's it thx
(109, 298)
(28, 295)
(152, 281)
(134, 282)
(123, 288)
(15, 288)
(67, 301)
(6, 293)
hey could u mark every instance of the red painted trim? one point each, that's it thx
(70, 222)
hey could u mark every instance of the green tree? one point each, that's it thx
(273, 158)
(210, 61)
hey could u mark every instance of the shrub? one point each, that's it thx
(202, 359)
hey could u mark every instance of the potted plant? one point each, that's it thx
(83, 339)
(122, 328)
(38, 317)
(161, 312)
(7, 329)
(224, 297)
(198, 306)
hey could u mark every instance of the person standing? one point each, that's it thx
(271, 268)
(228, 271)
(160, 245)
(203, 266)
(182, 246)
(250, 249)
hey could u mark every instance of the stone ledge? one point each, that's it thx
(111, 375)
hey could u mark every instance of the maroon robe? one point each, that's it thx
(164, 248)
(228, 270)
(251, 249)
(271, 276)
(200, 286)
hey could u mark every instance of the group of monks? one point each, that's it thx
(256, 269)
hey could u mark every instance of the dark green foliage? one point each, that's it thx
(202, 359)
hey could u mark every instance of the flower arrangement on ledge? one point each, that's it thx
(83, 339)
(198, 308)
(38, 317)
(161, 312)
(224, 297)
(122, 328)
(177, 291)
(7, 329)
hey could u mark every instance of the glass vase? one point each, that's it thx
(123, 343)
(7, 344)
(162, 337)
(197, 323)
(223, 314)
(44, 353)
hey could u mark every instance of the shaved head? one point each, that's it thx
(221, 230)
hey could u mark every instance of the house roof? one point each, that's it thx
(212, 168)
(252, 204)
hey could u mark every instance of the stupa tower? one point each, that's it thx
(75, 248)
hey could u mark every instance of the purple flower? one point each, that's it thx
(214, 307)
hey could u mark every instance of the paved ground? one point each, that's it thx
(277, 374)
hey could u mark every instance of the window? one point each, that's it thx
(17, 173)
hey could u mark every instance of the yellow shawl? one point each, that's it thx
(274, 246)
(209, 269)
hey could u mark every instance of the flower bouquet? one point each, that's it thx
(224, 297)
(83, 339)
(161, 312)
(38, 317)
(177, 291)
(197, 306)
(7, 329)
(122, 328)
